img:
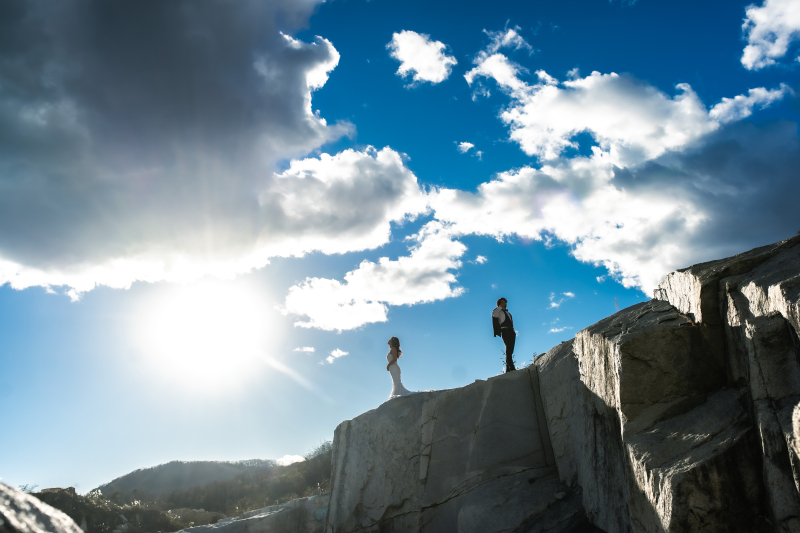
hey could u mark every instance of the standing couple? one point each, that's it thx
(503, 326)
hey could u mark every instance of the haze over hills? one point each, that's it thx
(182, 494)
(177, 475)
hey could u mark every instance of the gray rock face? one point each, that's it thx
(304, 515)
(677, 414)
(475, 459)
(680, 414)
(23, 513)
(655, 420)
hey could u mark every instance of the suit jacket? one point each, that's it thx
(496, 324)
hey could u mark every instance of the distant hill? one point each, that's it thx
(183, 494)
(179, 475)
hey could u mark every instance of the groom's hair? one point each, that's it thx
(501, 300)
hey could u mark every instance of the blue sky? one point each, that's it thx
(198, 194)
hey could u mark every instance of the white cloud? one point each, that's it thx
(497, 66)
(197, 192)
(335, 354)
(306, 349)
(423, 276)
(741, 106)
(559, 330)
(480, 259)
(340, 203)
(465, 147)
(770, 29)
(289, 459)
(174, 194)
(480, 92)
(578, 203)
(507, 38)
(492, 64)
(630, 120)
(616, 207)
(546, 78)
(420, 56)
(644, 221)
(557, 303)
(332, 204)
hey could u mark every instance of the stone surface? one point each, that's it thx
(622, 376)
(23, 513)
(671, 421)
(680, 414)
(561, 387)
(695, 470)
(478, 458)
(760, 309)
(304, 515)
(694, 290)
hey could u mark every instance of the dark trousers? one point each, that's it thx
(509, 339)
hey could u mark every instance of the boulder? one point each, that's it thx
(23, 513)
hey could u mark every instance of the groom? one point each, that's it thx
(504, 327)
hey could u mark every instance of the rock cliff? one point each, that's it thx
(680, 414)
(677, 414)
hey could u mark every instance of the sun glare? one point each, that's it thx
(210, 334)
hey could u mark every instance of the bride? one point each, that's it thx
(394, 354)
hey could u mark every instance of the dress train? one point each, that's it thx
(398, 389)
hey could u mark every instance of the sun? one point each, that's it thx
(208, 333)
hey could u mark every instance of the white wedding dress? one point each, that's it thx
(398, 389)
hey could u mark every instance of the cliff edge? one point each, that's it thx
(681, 414)
(676, 414)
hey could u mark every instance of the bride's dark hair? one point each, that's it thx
(394, 342)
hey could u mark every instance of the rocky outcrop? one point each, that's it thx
(677, 414)
(476, 459)
(304, 515)
(652, 434)
(680, 414)
(23, 513)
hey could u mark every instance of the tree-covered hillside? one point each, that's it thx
(256, 487)
(177, 475)
(137, 504)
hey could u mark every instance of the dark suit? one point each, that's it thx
(506, 332)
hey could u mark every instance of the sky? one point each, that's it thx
(214, 214)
